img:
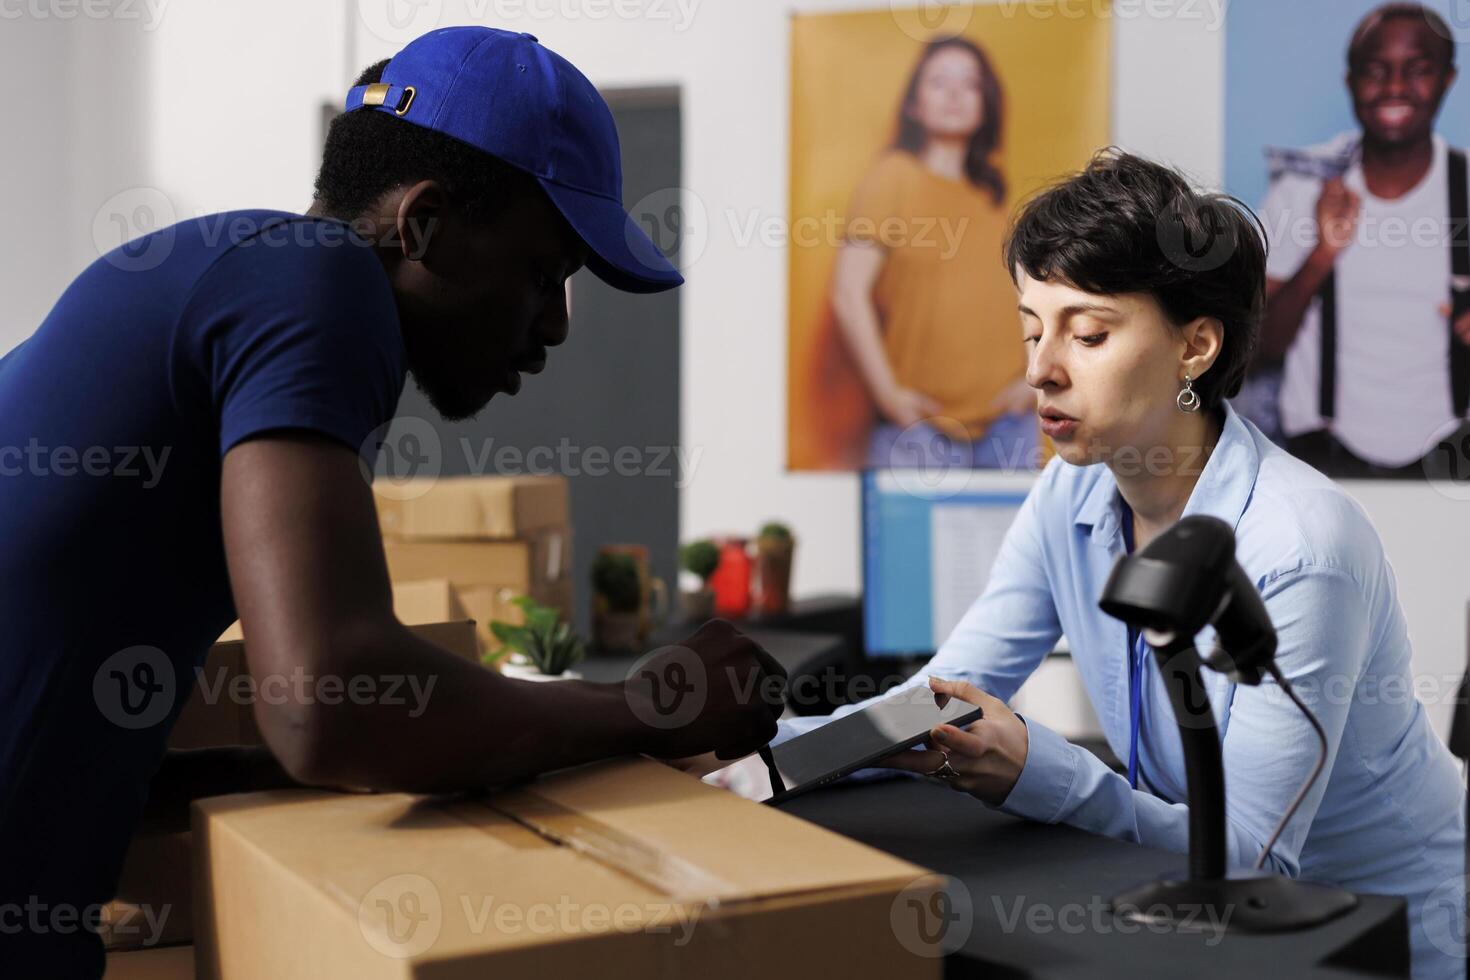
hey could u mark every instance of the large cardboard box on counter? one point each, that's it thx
(495, 538)
(153, 906)
(625, 869)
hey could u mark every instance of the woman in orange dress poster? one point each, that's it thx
(920, 299)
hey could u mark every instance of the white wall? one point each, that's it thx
(216, 105)
(34, 260)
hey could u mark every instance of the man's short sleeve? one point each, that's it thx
(295, 329)
(1289, 213)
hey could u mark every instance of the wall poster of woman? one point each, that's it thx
(910, 148)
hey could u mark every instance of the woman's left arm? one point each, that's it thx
(1323, 633)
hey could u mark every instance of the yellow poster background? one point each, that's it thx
(848, 73)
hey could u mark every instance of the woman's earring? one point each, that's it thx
(1188, 400)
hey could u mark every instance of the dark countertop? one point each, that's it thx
(1037, 893)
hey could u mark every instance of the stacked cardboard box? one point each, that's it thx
(494, 538)
(624, 869)
(164, 963)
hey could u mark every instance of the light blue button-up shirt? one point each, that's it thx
(1387, 816)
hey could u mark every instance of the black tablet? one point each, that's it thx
(857, 740)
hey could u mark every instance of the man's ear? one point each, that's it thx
(421, 213)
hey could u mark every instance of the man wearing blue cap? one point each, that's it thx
(182, 442)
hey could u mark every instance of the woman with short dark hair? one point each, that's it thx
(1140, 300)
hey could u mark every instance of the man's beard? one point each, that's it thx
(439, 375)
(447, 398)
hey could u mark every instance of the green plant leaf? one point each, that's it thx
(515, 638)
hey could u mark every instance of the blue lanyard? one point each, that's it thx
(1137, 664)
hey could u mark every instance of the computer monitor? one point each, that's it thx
(929, 540)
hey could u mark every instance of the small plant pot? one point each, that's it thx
(617, 632)
(773, 575)
(696, 606)
(530, 672)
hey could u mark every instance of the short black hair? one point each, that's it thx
(1401, 11)
(1128, 225)
(368, 153)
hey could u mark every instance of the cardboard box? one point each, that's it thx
(542, 559)
(470, 507)
(167, 963)
(489, 575)
(624, 869)
(211, 718)
(431, 600)
(154, 904)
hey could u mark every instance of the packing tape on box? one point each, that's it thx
(677, 878)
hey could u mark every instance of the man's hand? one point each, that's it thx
(1337, 216)
(988, 755)
(717, 692)
(1461, 325)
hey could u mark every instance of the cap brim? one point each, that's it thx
(620, 254)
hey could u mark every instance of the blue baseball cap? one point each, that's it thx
(507, 95)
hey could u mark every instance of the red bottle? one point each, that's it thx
(731, 580)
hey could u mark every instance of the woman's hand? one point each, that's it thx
(1016, 398)
(987, 756)
(904, 406)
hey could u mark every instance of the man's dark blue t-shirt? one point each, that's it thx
(114, 419)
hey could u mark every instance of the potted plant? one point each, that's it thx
(700, 559)
(543, 648)
(774, 547)
(617, 593)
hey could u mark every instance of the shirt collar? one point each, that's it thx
(1222, 490)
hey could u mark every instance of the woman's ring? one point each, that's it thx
(946, 771)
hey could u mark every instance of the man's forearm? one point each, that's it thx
(1287, 306)
(406, 715)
